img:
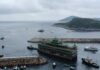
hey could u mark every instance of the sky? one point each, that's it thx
(47, 10)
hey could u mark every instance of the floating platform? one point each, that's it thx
(17, 61)
(67, 40)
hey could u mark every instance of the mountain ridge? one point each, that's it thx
(79, 24)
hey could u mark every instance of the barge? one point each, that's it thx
(55, 48)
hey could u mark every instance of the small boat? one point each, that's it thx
(72, 68)
(66, 65)
(2, 38)
(3, 46)
(23, 67)
(41, 30)
(89, 62)
(16, 68)
(31, 48)
(53, 65)
(5, 68)
(94, 49)
(1, 55)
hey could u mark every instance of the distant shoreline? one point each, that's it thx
(78, 29)
(83, 29)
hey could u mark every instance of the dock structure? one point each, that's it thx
(30, 60)
(67, 40)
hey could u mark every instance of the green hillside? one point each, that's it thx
(84, 24)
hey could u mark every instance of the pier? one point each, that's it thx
(16, 61)
(67, 40)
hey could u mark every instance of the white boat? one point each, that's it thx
(16, 68)
(90, 49)
(72, 68)
(5, 68)
(54, 65)
(23, 67)
(90, 62)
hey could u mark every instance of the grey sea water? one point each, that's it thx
(17, 33)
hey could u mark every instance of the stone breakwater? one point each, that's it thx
(13, 61)
(67, 40)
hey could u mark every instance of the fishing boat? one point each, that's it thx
(15, 68)
(2, 38)
(1, 55)
(55, 48)
(23, 67)
(54, 65)
(2, 46)
(5, 68)
(89, 62)
(66, 65)
(91, 49)
(31, 47)
(41, 30)
(72, 68)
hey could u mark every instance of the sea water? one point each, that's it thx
(17, 34)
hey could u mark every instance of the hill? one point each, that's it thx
(79, 24)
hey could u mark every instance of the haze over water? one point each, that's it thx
(16, 35)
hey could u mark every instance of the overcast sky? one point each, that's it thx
(47, 10)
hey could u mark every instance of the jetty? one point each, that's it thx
(25, 60)
(67, 40)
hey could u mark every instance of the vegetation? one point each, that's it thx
(81, 23)
(55, 42)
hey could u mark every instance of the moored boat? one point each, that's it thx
(55, 48)
(54, 65)
(5, 68)
(2, 46)
(23, 67)
(15, 68)
(31, 48)
(94, 49)
(41, 30)
(1, 55)
(89, 62)
(2, 38)
(72, 68)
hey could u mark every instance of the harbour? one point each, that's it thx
(17, 34)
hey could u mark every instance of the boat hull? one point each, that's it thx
(1, 56)
(89, 64)
(74, 59)
(31, 48)
(90, 50)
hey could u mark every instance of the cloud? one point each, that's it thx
(47, 9)
(19, 6)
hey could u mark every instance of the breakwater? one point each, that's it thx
(13, 61)
(67, 40)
